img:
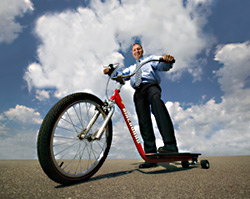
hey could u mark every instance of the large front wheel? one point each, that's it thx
(66, 153)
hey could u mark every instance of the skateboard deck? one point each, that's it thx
(171, 157)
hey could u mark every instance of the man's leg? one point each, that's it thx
(144, 117)
(161, 114)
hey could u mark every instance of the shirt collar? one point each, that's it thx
(141, 59)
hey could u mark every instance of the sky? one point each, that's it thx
(52, 48)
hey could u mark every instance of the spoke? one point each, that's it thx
(64, 143)
(80, 110)
(69, 123)
(95, 152)
(87, 111)
(65, 129)
(72, 122)
(78, 116)
(89, 155)
(77, 152)
(64, 137)
(101, 146)
(66, 148)
(80, 159)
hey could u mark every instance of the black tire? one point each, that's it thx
(205, 164)
(63, 156)
(185, 164)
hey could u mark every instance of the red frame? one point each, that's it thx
(121, 105)
(153, 158)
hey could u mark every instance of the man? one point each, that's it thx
(147, 98)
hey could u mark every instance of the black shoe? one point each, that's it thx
(170, 148)
(147, 165)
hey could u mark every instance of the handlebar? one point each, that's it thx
(119, 78)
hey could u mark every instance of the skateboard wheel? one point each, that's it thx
(205, 164)
(185, 164)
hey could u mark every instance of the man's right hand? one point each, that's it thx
(106, 71)
(109, 70)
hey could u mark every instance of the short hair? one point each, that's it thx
(136, 44)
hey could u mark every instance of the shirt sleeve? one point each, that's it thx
(126, 71)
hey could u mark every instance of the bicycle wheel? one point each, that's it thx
(65, 157)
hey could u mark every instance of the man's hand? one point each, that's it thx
(168, 59)
(106, 70)
(109, 70)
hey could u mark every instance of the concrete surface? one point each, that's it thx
(228, 177)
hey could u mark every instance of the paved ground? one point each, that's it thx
(228, 177)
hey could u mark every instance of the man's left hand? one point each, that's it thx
(168, 59)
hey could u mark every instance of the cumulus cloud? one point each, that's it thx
(76, 43)
(235, 74)
(3, 130)
(21, 145)
(23, 115)
(18, 132)
(9, 10)
(122, 144)
(42, 95)
(223, 127)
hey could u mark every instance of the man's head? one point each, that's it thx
(137, 51)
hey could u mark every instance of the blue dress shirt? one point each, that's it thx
(150, 71)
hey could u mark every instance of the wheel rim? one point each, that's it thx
(72, 156)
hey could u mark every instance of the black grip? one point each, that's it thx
(173, 61)
(111, 69)
(162, 60)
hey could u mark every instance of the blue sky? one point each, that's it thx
(52, 48)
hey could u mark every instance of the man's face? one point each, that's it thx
(137, 51)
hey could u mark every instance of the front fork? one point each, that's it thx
(98, 134)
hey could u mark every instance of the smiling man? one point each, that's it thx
(147, 98)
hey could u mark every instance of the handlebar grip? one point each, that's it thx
(162, 60)
(111, 69)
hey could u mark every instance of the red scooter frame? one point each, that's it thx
(153, 157)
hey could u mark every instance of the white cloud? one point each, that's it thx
(42, 95)
(122, 143)
(76, 43)
(24, 115)
(1, 117)
(9, 10)
(21, 145)
(18, 132)
(220, 128)
(236, 59)
(3, 130)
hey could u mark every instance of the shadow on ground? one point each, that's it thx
(162, 168)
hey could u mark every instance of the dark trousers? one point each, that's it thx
(147, 98)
